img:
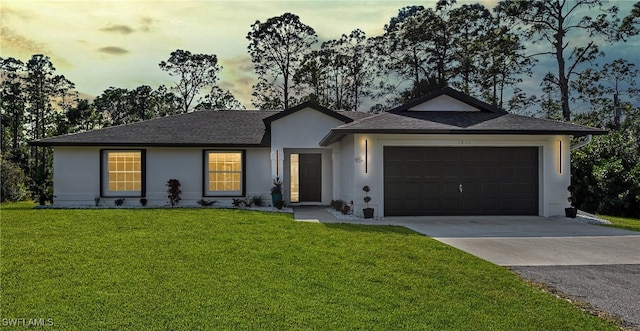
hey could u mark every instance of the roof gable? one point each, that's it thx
(308, 104)
(447, 99)
(443, 103)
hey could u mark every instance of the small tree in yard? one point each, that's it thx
(173, 191)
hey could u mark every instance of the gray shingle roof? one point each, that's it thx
(237, 128)
(200, 128)
(451, 122)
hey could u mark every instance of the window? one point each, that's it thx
(224, 173)
(123, 173)
(295, 178)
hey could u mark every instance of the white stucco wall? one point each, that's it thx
(348, 166)
(554, 174)
(77, 175)
(301, 132)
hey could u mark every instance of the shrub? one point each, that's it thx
(13, 182)
(606, 177)
(206, 203)
(174, 191)
(257, 200)
(119, 202)
(237, 202)
(337, 204)
(346, 209)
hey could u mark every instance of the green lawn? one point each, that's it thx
(627, 223)
(216, 269)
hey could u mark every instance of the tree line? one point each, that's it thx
(486, 54)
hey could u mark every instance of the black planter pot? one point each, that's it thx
(368, 212)
(275, 197)
(571, 212)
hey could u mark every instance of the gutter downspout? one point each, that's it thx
(581, 144)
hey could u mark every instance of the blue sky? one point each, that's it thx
(99, 44)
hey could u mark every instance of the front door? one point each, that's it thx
(310, 177)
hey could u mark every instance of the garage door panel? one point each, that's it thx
(526, 189)
(426, 180)
(412, 189)
(414, 169)
(450, 188)
(508, 189)
(471, 204)
(432, 170)
(470, 190)
(394, 169)
(490, 188)
(507, 173)
(472, 173)
(490, 204)
(431, 189)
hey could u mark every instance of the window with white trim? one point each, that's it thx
(123, 173)
(224, 173)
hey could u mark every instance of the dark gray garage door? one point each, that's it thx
(460, 181)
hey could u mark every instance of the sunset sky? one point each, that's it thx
(99, 44)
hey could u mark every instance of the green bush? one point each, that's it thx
(14, 182)
(337, 204)
(606, 175)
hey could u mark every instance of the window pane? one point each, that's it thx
(294, 179)
(124, 171)
(224, 172)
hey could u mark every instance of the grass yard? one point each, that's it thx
(627, 223)
(190, 269)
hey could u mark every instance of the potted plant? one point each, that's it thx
(571, 211)
(368, 212)
(276, 191)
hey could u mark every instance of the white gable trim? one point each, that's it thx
(443, 103)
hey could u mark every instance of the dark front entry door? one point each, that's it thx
(310, 177)
(460, 181)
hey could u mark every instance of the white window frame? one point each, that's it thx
(205, 183)
(104, 174)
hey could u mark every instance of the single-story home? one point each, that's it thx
(443, 154)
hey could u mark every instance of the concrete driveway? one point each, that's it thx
(530, 240)
(513, 240)
(591, 263)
